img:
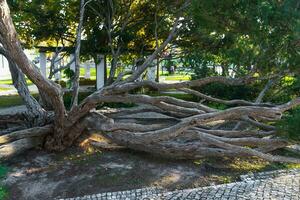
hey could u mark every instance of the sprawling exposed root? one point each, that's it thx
(22, 140)
(183, 130)
(190, 130)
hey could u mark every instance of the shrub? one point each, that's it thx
(289, 126)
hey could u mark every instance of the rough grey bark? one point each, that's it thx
(75, 81)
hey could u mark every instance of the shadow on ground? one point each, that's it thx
(42, 175)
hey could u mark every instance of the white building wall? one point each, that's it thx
(4, 69)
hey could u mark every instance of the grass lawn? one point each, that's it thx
(9, 101)
(93, 73)
(177, 77)
(4, 89)
(9, 82)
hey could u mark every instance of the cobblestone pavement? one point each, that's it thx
(281, 185)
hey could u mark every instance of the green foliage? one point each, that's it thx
(248, 92)
(3, 193)
(68, 97)
(69, 73)
(38, 21)
(289, 126)
(287, 89)
(3, 171)
(240, 34)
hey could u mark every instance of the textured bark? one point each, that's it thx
(20, 141)
(19, 146)
(75, 81)
(32, 132)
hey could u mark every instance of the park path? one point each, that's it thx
(11, 90)
(12, 110)
(276, 185)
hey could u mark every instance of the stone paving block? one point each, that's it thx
(276, 185)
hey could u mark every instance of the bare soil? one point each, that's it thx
(40, 175)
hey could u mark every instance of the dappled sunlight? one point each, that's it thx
(170, 178)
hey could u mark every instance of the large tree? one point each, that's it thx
(195, 130)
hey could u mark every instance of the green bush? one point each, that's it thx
(61, 83)
(287, 89)
(218, 90)
(289, 126)
(68, 97)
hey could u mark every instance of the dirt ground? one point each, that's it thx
(40, 175)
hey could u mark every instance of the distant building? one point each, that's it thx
(4, 70)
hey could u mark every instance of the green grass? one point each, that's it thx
(6, 82)
(8, 101)
(92, 71)
(12, 100)
(3, 190)
(9, 82)
(178, 77)
(4, 89)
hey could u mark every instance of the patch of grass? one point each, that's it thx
(8, 101)
(92, 72)
(225, 179)
(3, 190)
(3, 171)
(252, 164)
(12, 100)
(178, 78)
(4, 89)
(3, 193)
(6, 82)
(9, 82)
(233, 167)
